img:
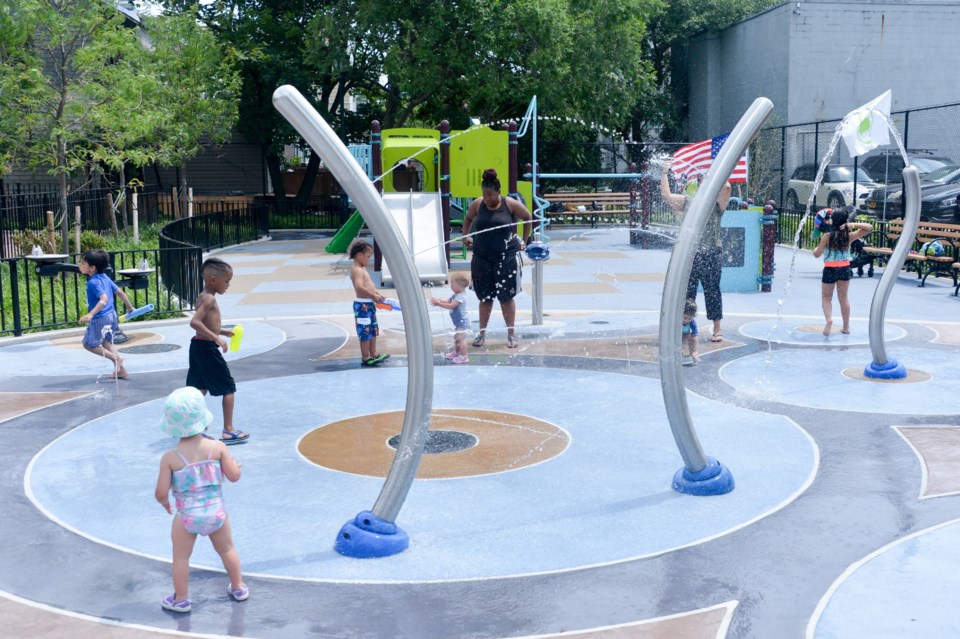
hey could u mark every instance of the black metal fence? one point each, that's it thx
(25, 208)
(40, 295)
(188, 238)
(43, 293)
(929, 135)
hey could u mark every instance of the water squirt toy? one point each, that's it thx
(237, 338)
(389, 304)
(137, 312)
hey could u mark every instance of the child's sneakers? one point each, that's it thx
(688, 360)
(238, 594)
(451, 354)
(170, 603)
(459, 359)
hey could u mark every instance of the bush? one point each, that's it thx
(88, 241)
(24, 241)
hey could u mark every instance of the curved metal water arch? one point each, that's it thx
(373, 533)
(881, 367)
(701, 475)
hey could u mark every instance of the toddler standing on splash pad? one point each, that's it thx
(457, 305)
(690, 333)
(194, 470)
(365, 304)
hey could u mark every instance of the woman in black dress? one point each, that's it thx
(496, 265)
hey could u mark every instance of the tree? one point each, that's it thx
(270, 38)
(670, 27)
(20, 79)
(61, 80)
(194, 90)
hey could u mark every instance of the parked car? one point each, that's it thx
(835, 191)
(940, 204)
(886, 167)
(887, 202)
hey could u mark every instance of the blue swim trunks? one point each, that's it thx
(365, 315)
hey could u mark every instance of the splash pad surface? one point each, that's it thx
(591, 373)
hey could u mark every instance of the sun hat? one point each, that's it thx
(185, 413)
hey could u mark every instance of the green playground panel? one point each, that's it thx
(341, 241)
(419, 144)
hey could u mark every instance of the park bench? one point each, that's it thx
(881, 243)
(594, 205)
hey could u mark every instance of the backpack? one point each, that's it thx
(932, 249)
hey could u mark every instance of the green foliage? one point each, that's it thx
(68, 301)
(669, 28)
(24, 241)
(88, 241)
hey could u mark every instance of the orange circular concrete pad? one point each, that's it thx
(505, 441)
(913, 376)
(140, 337)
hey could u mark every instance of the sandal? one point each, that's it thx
(234, 437)
(716, 338)
(480, 339)
(512, 341)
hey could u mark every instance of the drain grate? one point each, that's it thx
(147, 349)
(442, 441)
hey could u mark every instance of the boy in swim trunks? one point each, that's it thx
(365, 305)
(194, 470)
(208, 370)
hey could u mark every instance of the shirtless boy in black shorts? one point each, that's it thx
(208, 370)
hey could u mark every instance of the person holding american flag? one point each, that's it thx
(708, 260)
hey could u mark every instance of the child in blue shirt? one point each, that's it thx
(101, 318)
(457, 305)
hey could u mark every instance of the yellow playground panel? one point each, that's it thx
(418, 144)
(471, 153)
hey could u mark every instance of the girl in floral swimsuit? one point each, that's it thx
(194, 470)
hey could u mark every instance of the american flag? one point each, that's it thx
(695, 159)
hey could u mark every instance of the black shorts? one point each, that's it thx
(498, 278)
(208, 370)
(833, 274)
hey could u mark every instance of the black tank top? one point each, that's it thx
(500, 241)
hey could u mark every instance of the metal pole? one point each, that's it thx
(881, 367)
(444, 129)
(675, 285)
(416, 419)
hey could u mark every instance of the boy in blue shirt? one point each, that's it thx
(101, 317)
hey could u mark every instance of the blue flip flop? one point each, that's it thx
(234, 437)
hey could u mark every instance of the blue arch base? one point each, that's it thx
(367, 535)
(712, 479)
(891, 370)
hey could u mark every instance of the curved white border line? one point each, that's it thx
(697, 542)
(103, 621)
(730, 606)
(81, 395)
(923, 461)
(852, 568)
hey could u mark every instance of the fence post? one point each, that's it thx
(50, 232)
(190, 202)
(136, 218)
(15, 298)
(767, 244)
(76, 228)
